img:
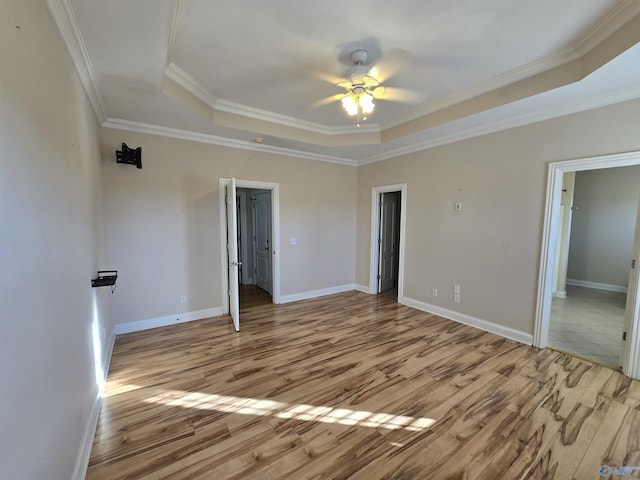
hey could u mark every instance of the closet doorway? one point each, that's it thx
(233, 241)
(255, 243)
(388, 219)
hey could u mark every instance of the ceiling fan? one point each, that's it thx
(364, 84)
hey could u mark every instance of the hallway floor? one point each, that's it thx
(252, 296)
(588, 323)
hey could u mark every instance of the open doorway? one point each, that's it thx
(389, 243)
(595, 243)
(232, 243)
(254, 247)
(548, 283)
(387, 240)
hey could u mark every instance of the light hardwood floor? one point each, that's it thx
(356, 386)
(252, 296)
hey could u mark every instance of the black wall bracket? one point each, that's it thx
(105, 278)
(130, 156)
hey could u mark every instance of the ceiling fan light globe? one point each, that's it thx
(366, 103)
(348, 101)
(350, 105)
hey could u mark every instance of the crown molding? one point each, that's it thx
(598, 101)
(502, 80)
(174, 30)
(592, 38)
(607, 26)
(186, 81)
(487, 128)
(64, 18)
(149, 129)
(287, 121)
(179, 76)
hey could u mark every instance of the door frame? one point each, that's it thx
(375, 234)
(275, 235)
(550, 233)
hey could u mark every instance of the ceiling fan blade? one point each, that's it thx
(370, 82)
(390, 64)
(327, 100)
(395, 94)
(328, 77)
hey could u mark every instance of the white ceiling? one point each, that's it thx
(231, 71)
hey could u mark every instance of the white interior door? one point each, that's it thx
(262, 234)
(232, 254)
(629, 353)
(389, 223)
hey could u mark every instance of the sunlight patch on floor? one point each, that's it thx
(114, 388)
(252, 406)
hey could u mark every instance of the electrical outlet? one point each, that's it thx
(456, 298)
(434, 292)
(293, 241)
(457, 206)
(183, 298)
(456, 289)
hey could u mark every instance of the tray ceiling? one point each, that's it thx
(232, 71)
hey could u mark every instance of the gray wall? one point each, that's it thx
(492, 247)
(603, 225)
(51, 245)
(163, 222)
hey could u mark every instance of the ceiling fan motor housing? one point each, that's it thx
(357, 74)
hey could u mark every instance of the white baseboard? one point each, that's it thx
(80, 470)
(362, 288)
(139, 325)
(316, 293)
(559, 294)
(106, 362)
(507, 332)
(599, 286)
(82, 462)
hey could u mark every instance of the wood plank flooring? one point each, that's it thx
(354, 386)
(252, 296)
